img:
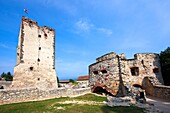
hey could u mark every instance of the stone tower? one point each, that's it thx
(35, 57)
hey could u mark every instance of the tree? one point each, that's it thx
(165, 65)
(3, 74)
(7, 77)
(71, 81)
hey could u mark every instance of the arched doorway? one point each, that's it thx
(137, 86)
(100, 90)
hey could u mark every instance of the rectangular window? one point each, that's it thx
(134, 71)
(95, 72)
(103, 71)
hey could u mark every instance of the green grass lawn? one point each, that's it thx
(93, 104)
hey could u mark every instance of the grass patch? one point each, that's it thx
(53, 106)
(91, 97)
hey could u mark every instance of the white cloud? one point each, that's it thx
(108, 32)
(84, 25)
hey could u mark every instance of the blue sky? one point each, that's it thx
(87, 29)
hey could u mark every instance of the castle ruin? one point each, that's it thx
(35, 57)
(35, 75)
(116, 74)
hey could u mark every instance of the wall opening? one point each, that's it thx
(38, 79)
(39, 48)
(156, 70)
(38, 60)
(95, 72)
(45, 35)
(137, 86)
(2, 87)
(31, 68)
(134, 71)
(22, 61)
(142, 95)
(39, 36)
(100, 90)
(104, 71)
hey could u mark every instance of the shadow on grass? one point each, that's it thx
(121, 109)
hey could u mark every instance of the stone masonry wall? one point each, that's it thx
(35, 57)
(152, 89)
(5, 84)
(8, 96)
(114, 73)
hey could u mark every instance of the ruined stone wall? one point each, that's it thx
(5, 84)
(152, 89)
(8, 96)
(115, 73)
(146, 64)
(35, 57)
(105, 73)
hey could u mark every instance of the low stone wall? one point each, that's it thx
(8, 96)
(161, 91)
(152, 89)
(5, 84)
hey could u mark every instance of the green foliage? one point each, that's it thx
(7, 76)
(52, 106)
(165, 65)
(71, 81)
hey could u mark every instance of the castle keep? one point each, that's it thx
(114, 73)
(35, 57)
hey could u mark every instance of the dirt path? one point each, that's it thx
(81, 102)
(159, 104)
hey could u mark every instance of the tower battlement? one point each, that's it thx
(30, 22)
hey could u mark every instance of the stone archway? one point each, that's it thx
(137, 86)
(100, 90)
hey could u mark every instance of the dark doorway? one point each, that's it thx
(100, 90)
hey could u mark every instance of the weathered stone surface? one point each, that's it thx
(35, 57)
(152, 88)
(5, 84)
(116, 74)
(119, 101)
(33, 94)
